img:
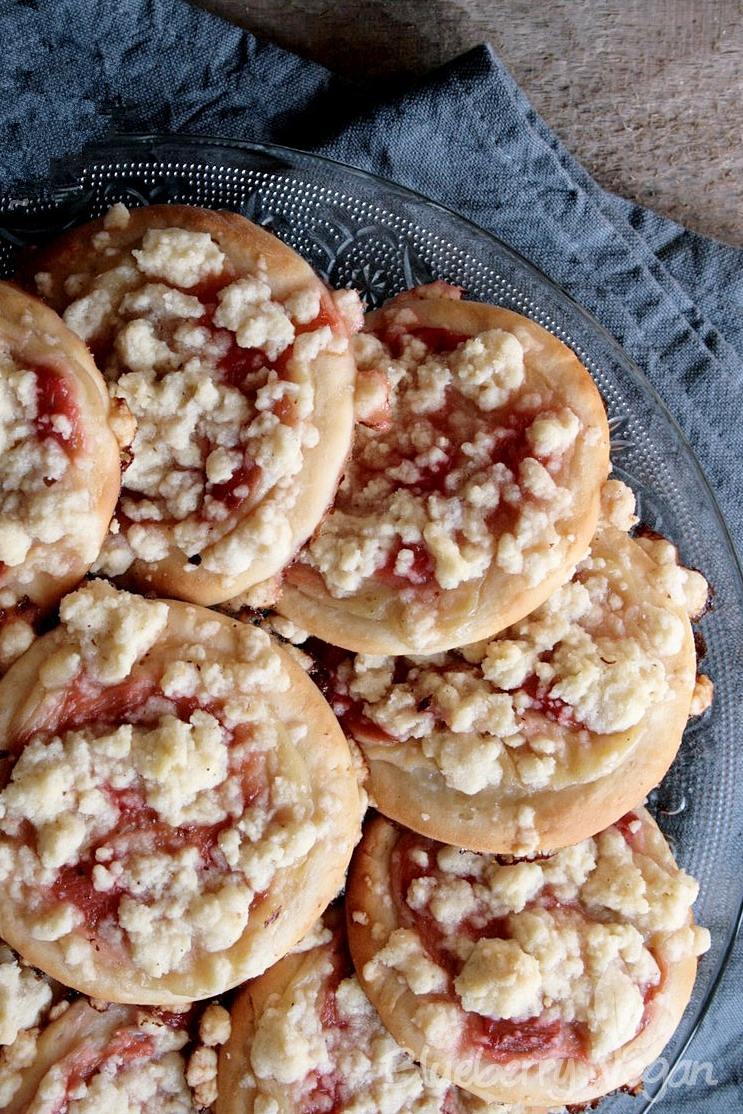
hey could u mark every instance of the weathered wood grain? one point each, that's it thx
(647, 94)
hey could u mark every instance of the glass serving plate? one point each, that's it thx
(357, 230)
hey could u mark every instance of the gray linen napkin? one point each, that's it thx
(73, 71)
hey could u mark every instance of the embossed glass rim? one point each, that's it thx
(359, 229)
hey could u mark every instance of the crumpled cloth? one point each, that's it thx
(73, 71)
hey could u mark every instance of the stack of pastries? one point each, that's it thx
(336, 669)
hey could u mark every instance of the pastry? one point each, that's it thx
(74, 1055)
(235, 359)
(304, 1039)
(557, 979)
(511, 668)
(61, 438)
(105, 1057)
(548, 732)
(473, 487)
(178, 803)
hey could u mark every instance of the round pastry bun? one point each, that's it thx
(383, 616)
(296, 787)
(299, 994)
(97, 1037)
(598, 777)
(63, 513)
(236, 1084)
(374, 913)
(283, 509)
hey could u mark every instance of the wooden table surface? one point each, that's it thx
(647, 94)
